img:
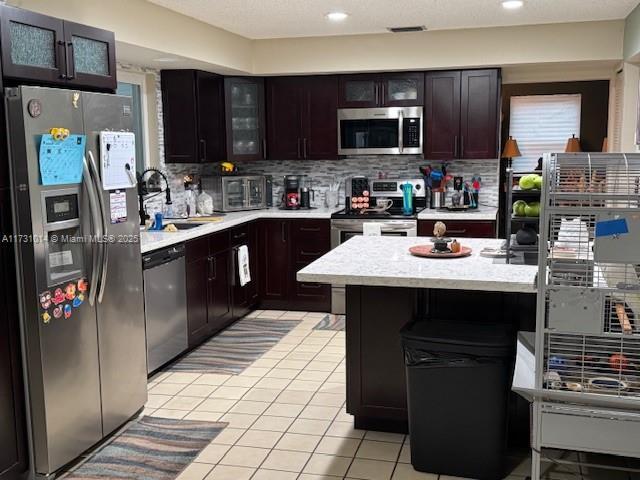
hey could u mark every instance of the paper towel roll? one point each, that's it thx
(370, 229)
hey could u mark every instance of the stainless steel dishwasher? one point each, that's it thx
(165, 304)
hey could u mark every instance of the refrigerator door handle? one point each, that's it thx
(97, 226)
(103, 217)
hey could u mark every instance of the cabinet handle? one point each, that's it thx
(62, 59)
(239, 235)
(376, 87)
(304, 147)
(455, 147)
(314, 286)
(234, 269)
(458, 232)
(203, 143)
(284, 238)
(298, 146)
(309, 229)
(462, 146)
(382, 99)
(71, 62)
(310, 254)
(264, 148)
(212, 268)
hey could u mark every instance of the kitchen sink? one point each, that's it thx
(187, 226)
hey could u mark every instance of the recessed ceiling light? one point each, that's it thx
(512, 4)
(337, 16)
(165, 59)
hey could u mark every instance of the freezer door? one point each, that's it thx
(61, 355)
(121, 328)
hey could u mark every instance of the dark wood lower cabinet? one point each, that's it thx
(220, 313)
(460, 228)
(13, 436)
(197, 299)
(287, 246)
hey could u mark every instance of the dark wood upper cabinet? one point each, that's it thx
(320, 118)
(91, 56)
(381, 90)
(193, 116)
(33, 46)
(302, 118)
(461, 114)
(45, 50)
(245, 118)
(442, 115)
(479, 123)
(284, 118)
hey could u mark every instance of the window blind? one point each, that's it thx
(542, 124)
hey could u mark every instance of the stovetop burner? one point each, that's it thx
(391, 214)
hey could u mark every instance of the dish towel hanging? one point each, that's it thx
(243, 265)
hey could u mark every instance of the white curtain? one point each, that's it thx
(541, 124)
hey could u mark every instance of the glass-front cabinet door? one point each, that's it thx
(244, 99)
(92, 56)
(359, 91)
(33, 46)
(403, 89)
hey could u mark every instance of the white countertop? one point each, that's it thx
(154, 240)
(480, 213)
(386, 261)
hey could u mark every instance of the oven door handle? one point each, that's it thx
(400, 131)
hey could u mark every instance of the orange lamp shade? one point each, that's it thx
(573, 145)
(511, 149)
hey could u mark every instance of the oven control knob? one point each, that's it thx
(418, 187)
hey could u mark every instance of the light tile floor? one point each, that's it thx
(287, 418)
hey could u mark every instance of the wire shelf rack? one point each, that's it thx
(587, 348)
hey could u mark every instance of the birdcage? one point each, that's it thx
(587, 347)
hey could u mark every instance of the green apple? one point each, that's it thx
(527, 182)
(532, 209)
(537, 182)
(518, 208)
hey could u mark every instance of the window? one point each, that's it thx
(133, 88)
(542, 124)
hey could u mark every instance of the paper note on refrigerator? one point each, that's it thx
(118, 160)
(61, 160)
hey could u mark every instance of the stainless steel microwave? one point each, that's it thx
(235, 193)
(380, 131)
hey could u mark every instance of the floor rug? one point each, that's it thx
(235, 348)
(150, 448)
(331, 322)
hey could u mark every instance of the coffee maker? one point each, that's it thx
(291, 193)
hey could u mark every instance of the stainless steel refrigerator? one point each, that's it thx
(79, 277)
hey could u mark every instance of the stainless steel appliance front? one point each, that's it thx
(236, 193)
(165, 301)
(343, 230)
(85, 374)
(380, 131)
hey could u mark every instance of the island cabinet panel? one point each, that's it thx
(376, 386)
(287, 246)
(460, 228)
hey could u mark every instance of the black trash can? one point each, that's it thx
(458, 383)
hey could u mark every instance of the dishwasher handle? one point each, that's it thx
(160, 257)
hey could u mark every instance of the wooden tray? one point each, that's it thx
(426, 251)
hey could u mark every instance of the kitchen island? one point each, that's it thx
(387, 287)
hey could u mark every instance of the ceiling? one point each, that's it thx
(261, 19)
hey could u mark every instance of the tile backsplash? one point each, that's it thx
(321, 172)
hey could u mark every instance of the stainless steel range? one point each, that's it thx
(379, 202)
